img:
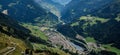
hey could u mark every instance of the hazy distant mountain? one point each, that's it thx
(51, 6)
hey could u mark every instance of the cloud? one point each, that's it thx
(63, 2)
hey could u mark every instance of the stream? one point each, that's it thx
(77, 47)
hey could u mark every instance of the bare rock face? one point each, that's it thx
(5, 12)
(57, 39)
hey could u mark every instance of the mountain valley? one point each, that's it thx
(59, 27)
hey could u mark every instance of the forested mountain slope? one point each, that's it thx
(28, 11)
(78, 8)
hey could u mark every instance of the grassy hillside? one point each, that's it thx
(10, 41)
(35, 30)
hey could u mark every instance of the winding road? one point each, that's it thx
(10, 49)
(7, 50)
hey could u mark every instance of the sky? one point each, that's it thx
(63, 2)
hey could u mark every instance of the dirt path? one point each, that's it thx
(10, 49)
(7, 50)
